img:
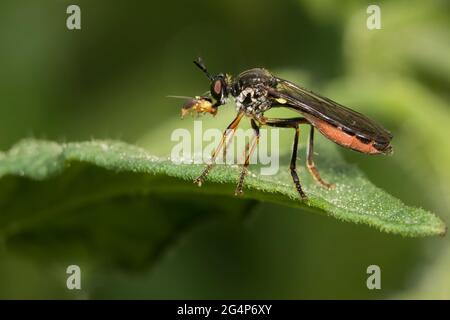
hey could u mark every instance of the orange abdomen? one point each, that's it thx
(341, 137)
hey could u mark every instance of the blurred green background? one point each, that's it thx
(110, 80)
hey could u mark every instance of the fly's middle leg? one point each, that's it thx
(293, 164)
(291, 123)
(249, 149)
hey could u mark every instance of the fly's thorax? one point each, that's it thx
(253, 101)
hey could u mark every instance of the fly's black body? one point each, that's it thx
(257, 90)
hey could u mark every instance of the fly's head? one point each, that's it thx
(220, 84)
(219, 90)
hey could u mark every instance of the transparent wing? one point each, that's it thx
(323, 108)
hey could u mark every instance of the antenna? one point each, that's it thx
(199, 63)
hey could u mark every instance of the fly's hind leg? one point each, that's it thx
(310, 163)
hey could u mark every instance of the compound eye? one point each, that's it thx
(217, 88)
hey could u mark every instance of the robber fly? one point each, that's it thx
(256, 90)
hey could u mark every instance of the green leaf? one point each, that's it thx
(120, 204)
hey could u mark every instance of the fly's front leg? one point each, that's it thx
(291, 123)
(249, 149)
(310, 163)
(223, 143)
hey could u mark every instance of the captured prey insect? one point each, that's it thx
(256, 90)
